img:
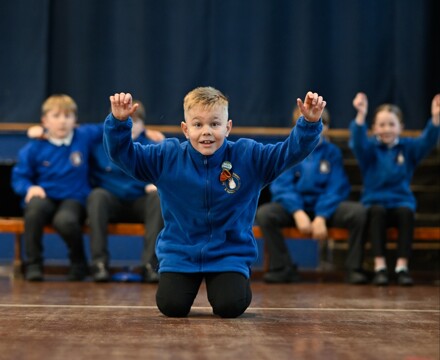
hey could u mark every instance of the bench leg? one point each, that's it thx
(17, 263)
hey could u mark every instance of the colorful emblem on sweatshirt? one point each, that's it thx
(228, 178)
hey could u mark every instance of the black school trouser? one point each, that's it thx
(380, 219)
(229, 293)
(272, 217)
(66, 216)
(103, 208)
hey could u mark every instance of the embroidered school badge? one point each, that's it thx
(76, 158)
(324, 167)
(400, 159)
(230, 181)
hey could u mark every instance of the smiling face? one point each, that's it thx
(387, 127)
(206, 127)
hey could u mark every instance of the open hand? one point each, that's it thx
(122, 106)
(312, 106)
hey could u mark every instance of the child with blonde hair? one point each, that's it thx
(209, 189)
(52, 177)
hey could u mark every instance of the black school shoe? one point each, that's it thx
(357, 277)
(149, 275)
(100, 272)
(404, 279)
(78, 272)
(381, 278)
(289, 274)
(34, 272)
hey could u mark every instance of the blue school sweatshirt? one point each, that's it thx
(387, 170)
(208, 222)
(105, 174)
(62, 171)
(317, 184)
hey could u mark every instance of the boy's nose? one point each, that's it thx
(206, 130)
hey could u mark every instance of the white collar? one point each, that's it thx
(59, 142)
(394, 143)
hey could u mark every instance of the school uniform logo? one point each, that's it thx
(400, 159)
(76, 158)
(228, 178)
(324, 167)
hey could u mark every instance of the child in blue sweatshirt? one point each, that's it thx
(209, 189)
(387, 163)
(117, 197)
(52, 176)
(311, 196)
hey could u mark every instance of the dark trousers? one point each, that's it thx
(229, 293)
(66, 216)
(380, 218)
(104, 208)
(272, 217)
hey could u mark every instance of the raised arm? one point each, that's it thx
(360, 103)
(312, 106)
(122, 106)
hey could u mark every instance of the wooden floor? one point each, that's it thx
(310, 320)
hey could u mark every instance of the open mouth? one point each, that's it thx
(207, 142)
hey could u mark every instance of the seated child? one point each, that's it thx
(209, 189)
(311, 196)
(117, 197)
(52, 176)
(387, 163)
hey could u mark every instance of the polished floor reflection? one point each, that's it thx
(310, 320)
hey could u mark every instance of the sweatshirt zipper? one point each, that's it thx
(208, 208)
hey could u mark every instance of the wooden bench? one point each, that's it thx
(421, 236)
(16, 226)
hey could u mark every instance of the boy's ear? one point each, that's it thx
(228, 127)
(184, 127)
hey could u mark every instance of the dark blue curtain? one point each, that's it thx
(262, 54)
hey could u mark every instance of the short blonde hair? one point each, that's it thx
(59, 101)
(206, 97)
